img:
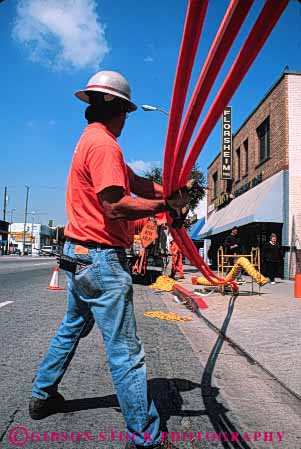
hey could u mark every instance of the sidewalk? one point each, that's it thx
(267, 327)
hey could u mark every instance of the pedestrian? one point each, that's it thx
(272, 256)
(210, 254)
(232, 246)
(100, 210)
(232, 242)
(176, 260)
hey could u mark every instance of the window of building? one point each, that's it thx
(215, 185)
(263, 134)
(238, 163)
(246, 149)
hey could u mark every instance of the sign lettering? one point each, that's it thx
(227, 144)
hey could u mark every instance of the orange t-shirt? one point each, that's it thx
(97, 164)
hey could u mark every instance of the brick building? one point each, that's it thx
(264, 194)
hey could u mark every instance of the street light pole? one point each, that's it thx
(148, 108)
(25, 217)
(5, 203)
(32, 225)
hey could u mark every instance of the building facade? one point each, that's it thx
(264, 194)
(3, 236)
(36, 236)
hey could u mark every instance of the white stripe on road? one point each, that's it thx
(2, 304)
(42, 263)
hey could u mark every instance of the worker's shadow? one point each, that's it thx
(166, 394)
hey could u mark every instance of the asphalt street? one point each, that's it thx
(200, 384)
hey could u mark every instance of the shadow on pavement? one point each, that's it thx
(215, 410)
(166, 394)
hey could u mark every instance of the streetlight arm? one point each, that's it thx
(164, 112)
(148, 108)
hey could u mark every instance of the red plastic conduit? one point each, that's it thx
(228, 30)
(259, 33)
(262, 28)
(196, 12)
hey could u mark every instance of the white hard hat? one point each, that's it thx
(108, 82)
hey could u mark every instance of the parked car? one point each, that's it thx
(47, 251)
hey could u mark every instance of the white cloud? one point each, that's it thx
(140, 166)
(201, 209)
(61, 34)
(150, 53)
(149, 59)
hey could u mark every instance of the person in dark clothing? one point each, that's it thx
(232, 246)
(232, 242)
(272, 257)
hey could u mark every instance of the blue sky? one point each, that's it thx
(49, 49)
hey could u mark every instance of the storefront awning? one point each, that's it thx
(196, 228)
(263, 203)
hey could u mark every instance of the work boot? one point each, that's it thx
(163, 445)
(41, 408)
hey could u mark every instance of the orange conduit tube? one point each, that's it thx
(258, 35)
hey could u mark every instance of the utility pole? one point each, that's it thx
(5, 203)
(9, 237)
(25, 217)
(32, 225)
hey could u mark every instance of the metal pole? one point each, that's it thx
(25, 217)
(32, 225)
(4, 204)
(162, 110)
(9, 230)
(57, 238)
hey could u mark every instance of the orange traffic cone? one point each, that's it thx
(54, 283)
(298, 286)
(194, 280)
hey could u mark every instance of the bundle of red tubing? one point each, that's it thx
(177, 169)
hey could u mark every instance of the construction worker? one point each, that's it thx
(177, 261)
(100, 209)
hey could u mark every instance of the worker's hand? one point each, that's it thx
(180, 198)
(179, 218)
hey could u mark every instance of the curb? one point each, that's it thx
(240, 350)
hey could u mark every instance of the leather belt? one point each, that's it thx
(93, 244)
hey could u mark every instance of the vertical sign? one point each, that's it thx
(227, 144)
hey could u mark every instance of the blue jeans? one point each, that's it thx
(103, 291)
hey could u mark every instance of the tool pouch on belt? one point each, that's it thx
(68, 263)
